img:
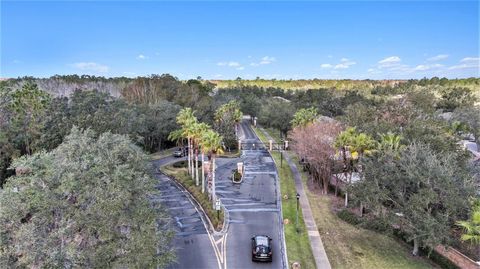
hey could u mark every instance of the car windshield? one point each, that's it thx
(261, 241)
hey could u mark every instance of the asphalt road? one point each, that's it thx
(253, 209)
(192, 242)
(253, 205)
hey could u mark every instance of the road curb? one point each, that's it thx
(279, 201)
(199, 207)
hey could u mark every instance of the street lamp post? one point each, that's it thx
(281, 157)
(296, 221)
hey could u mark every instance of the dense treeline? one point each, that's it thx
(399, 156)
(38, 117)
(33, 121)
(42, 119)
(341, 84)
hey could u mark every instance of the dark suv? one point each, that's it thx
(261, 248)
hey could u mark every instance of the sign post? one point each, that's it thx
(218, 203)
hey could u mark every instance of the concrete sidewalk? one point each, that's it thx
(321, 259)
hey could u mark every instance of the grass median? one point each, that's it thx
(298, 245)
(180, 174)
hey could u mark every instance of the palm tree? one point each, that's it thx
(344, 142)
(304, 116)
(390, 142)
(472, 226)
(212, 142)
(176, 136)
(362, 144)
(187, 119)
(237, 116)
(203, 149)
(198, 129)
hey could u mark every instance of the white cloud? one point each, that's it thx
(463, 66)
(467, 63)
(344, 64)
(91, 66)
(16, 61)
(230, 64)
(470, 59)
(374, 71)
(439, 57)
(240, 68)
(424, 67)
(141, 57)
(389, 61)
(265, 60)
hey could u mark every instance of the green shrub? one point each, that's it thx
(237, 176)
(376, 224)
(348, 216)
(184, 164)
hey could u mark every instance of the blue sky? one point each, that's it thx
(225, 39)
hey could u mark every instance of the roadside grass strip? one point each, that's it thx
(298, 244)
(260, 135)
(182, 177)
(162, 154)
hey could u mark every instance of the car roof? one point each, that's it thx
(262, 240)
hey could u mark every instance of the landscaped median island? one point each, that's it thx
(298, 245)
(179, 173)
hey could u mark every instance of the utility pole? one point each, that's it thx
(296, 221)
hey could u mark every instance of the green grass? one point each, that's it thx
(162, 154)
(182, 177)
(260, 135)
(348, 246)
(275, 134)
(298, 244)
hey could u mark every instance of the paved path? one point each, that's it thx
(321, 259)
